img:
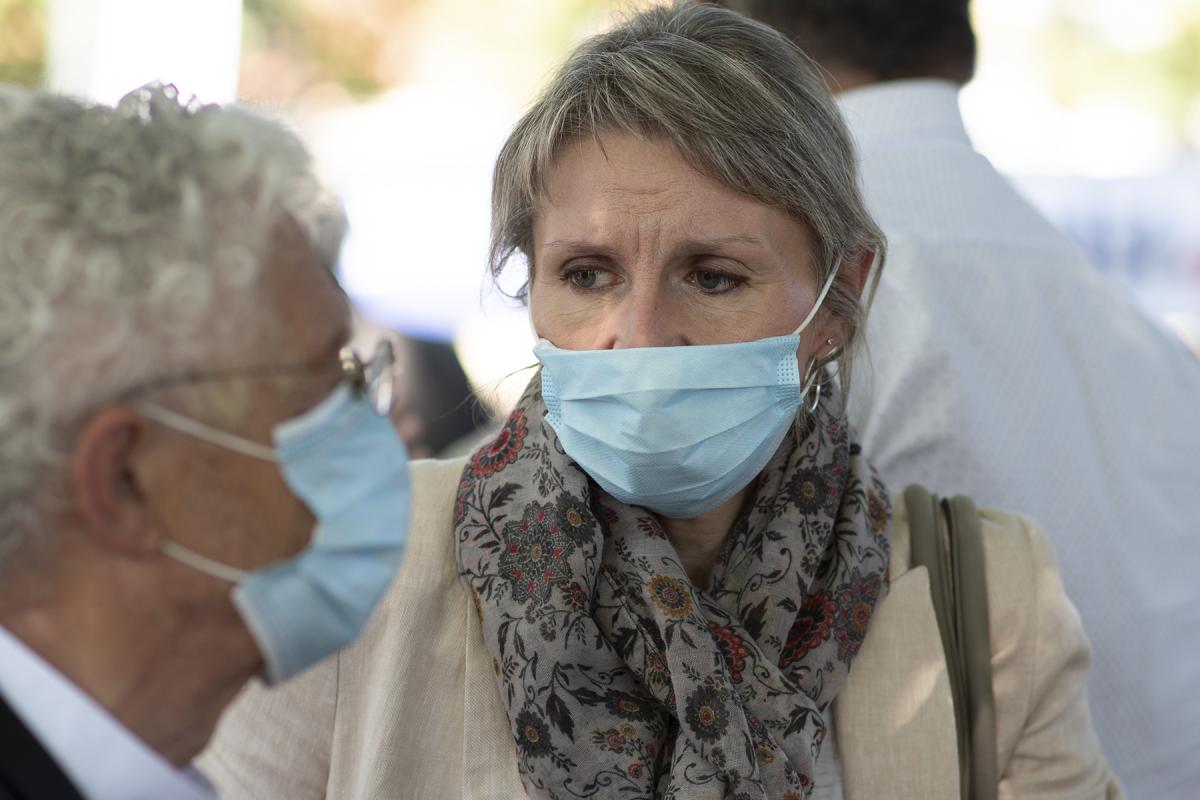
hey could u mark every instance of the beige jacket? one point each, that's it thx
(412, 710)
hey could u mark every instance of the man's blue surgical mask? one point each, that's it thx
(677, 430)
(347, 464)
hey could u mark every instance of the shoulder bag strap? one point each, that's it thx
(947, 540)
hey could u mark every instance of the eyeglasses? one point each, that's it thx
(373, 380)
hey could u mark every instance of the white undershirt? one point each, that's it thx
(1001, 364)
(101, 757)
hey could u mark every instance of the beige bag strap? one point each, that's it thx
(947, 541)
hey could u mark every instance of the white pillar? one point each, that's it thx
(101, 49)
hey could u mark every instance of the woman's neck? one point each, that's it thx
(698, 540)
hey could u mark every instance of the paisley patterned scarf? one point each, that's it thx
(621, 678)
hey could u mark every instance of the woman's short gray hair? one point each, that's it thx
(741, 103)
(120, 230)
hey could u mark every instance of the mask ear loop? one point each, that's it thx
(812, 313)
(206, 565)
(221, 438)
(207, 433)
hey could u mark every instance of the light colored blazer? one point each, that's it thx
(412, 710)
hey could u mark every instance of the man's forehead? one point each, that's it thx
(309, 305)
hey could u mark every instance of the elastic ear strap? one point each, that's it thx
(207, 433)
(205, 565)
(817, 305)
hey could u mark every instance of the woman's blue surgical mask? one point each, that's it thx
(677, 430)
(348, 465)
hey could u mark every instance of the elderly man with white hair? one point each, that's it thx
(198, 480)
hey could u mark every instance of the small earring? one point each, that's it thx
(815, 372)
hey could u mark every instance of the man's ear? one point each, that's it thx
(107, 494)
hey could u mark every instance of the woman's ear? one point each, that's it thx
(832, 332)
(860, 267)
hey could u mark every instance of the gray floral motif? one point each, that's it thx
(535, 554)
(622, 678)
(811, 490)
(576, 521)
(533, 735)
(707, 714)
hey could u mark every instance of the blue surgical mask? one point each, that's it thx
(677, 430)
(350, 468)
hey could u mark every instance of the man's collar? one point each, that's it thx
(888, 114)
(92, 748)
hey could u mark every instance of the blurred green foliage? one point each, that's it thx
(22, 42)
(361, 46)
(1080, 61)
(366, 46)
(344, 43)
(358, 45)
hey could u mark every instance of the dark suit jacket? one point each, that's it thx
(27, 772)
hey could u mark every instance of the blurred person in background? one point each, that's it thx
(1006, 367)
(198, 481)
(454, 417)
(673, 573)
(435, 409)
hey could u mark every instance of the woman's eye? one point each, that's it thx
(588, 278)
(582, 278)
(713, 282)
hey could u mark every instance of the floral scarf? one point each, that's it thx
(621, 678)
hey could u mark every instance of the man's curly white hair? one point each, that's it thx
(118, 229)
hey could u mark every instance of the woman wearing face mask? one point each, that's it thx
(673, 573)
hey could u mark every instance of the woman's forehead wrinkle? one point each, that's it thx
(643, 205)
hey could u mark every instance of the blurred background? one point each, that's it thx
(1092, 107)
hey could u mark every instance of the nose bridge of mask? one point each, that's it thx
(584, 374)
(643, 395)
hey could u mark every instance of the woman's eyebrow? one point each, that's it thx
(725, 247)
(721, 241)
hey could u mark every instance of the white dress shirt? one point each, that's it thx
(101, 757)
(1001, 365)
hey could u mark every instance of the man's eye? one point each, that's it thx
(714, 282)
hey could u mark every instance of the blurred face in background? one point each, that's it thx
(228, 506)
